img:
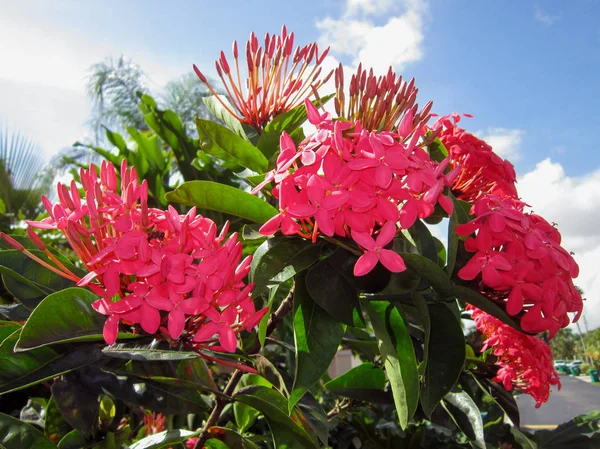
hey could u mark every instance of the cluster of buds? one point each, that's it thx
(379, 103)
(348, 181)
(482, 171)
(173, 275)
(521, 263)
(525, 361)
(279, 78)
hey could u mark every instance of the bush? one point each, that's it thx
(585, 368)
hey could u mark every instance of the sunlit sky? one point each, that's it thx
(528, 71)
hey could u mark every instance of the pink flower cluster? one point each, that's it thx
(163, 271)
(347, 181)
(482, 171)
(525, 361)
(521, 263)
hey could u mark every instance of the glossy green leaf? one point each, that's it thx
(23, 369)
(445, 356)
(234, 440)
(503, 398)
(267, 370)
(150, 352)
(466, 415)
(277, 293)
(286, 431)
(34, 273)
(221, 113)
(317, 336)
(289, 121)
(365, 382)
(15, 434)
(279, 259)
(244, 414)
(161, 397)
(424, 240)
(223, 143)
(76, 440)
(63, 316)
(398, 356)
(222, 198)
(78, 405)
(163, 439)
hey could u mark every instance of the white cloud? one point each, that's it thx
(42, 81)
(545, 18)
(396, 42)
(505, 142)
(572, 203)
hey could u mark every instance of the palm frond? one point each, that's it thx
(21, 160)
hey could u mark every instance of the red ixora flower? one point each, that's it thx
(348, 181)
(482, 171)
(279, 78)
(525, 361)
(519, 262)
(172, 275)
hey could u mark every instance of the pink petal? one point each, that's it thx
(150, 319)
(325, 222)
(111, 329)
(514, 304)
(111, 281)
(363, 239)
(365, 263)
(491, 277)
(497, 222)
(289, 226)
(301, 210)
(446, 203)
(206, 331)
(271, 226)
(335, 200)
(315, 190)
(308, 157)
(176, 322)
(391, 260)
(383, 176)
(470, 270)
(227, 339)
(386, 234)
(159, 302)
(408, 214)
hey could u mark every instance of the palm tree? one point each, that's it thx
(116, 85)
(23, 177)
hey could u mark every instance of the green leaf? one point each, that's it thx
(503, 398)
(365, 382)
(286, 431)
(481, 302)
(572, 434)
(162, 439)
(222, 198)
(78, 405)
(75, 440)
(398, 356)
(64, 316)
(23, 369)
(147, 352)
(215, 106)
(213, 443)
(277, 294)
(55, 427)
(2, 207)
(34, 411)
(234, 440)
(117, 140)
(317, 336)
(289, 121)
(244, 414)
(459, 216)
(267, 370)
(35, 273)
(445, 356)
(332, 285)
(437, 150)
(15, 434)
(424, 240)
(466, 415)
(223, 143)
(279, 259)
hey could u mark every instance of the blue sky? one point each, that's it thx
(528, 71)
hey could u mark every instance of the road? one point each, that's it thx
(576, 397)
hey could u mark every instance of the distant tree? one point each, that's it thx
(23, 177)
(116, 85)
(565, 345)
